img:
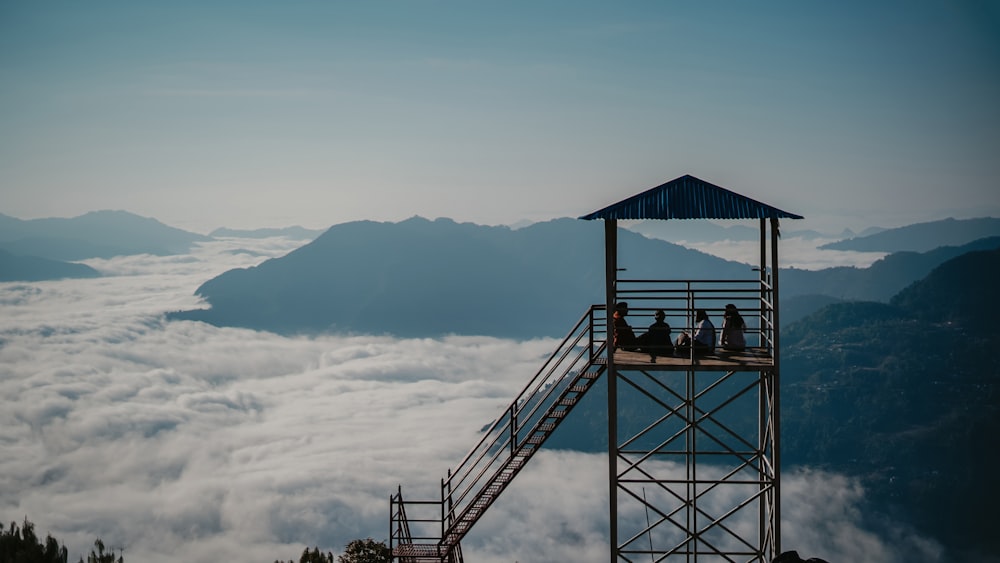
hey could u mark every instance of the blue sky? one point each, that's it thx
(260, 114)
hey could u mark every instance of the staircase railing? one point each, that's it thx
(508, 443)
(527, 422)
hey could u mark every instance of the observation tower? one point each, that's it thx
(694, 465)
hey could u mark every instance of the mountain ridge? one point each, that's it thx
(429, 278)
(14, 268)
(422, 277)
(922, 237)
(97, 234)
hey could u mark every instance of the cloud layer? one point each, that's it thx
(796, 252)
(182, 441)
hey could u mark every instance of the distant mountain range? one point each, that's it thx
(429, 278)
(33, 268)
(880, 281)
(100, 234)
(922, 237)
(103, 234)
(709, 231)
(47, 249)
(425, 278)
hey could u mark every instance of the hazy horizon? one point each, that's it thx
(828, 226)
(801, 252)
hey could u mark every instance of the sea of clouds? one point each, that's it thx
(795, 252)
(179, 441)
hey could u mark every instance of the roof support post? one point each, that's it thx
(775, 233)
(764, 316)
(611, 280)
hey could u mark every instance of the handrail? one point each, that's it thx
(399, 524)
(510, 435)
(588, 316)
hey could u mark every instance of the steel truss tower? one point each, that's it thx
(693, 440)
(697, 479)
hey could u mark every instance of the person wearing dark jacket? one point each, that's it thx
(656, 341)
(624, 337)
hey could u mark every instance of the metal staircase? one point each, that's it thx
(432, 529)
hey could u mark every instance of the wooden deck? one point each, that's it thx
(751, 359)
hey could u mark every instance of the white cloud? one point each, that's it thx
(182, 441)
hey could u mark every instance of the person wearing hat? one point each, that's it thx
(624, 338)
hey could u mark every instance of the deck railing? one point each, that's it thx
(680, 299)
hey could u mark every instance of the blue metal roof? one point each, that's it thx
(688, 197)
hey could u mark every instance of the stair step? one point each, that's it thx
(569, 401)
(418, 550)
(579, 388)
(547, 426)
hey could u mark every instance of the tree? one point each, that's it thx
(310, 556)
(23, 546)
(316, 556)
(366, 551)
(100, 556)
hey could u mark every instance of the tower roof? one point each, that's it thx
(688, 197)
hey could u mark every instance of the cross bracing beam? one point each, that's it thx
(695, 478)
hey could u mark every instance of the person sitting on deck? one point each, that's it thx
(733, 329)
(657, 341)
(624, 338)
(704, 336)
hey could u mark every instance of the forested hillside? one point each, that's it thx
(906, 395)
